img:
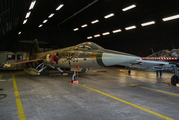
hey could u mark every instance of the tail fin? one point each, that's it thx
(35, 48)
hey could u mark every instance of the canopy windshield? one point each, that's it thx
(87, 46)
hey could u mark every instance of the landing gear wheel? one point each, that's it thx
(174, 79)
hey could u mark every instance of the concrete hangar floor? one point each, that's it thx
(102, 94)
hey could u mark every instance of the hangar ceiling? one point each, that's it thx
(76, 13)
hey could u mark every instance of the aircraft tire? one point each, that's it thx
(175, 79)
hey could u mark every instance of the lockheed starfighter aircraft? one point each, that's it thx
(88, 54)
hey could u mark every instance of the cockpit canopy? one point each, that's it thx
(86, 46)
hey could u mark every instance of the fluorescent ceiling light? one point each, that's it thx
(90, 37)
(19, 33)
(45, 21)
(24, 22)
(110, 15)
(106, 33)
(148, 23)
(75, 29)
(32, 5)
(60, 6)
(51, 15)
(116, 31)
(129, 7)
(40, 25)
(171, 18)
(95, 21)
(97, 35)
(28, 14)
(131, 27)
(85, 25)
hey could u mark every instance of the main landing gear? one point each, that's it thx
(43, 66)
(175, 78)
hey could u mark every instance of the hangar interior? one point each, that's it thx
(138, 27)
(60, 25)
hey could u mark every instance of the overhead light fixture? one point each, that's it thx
(106, 33)
(116, 31)
(28, 14)
(40, 25)
(171, 18)
(60, 6)
(129, 7)
(75, 29)
(24, 22)
(95, 21)
(45, 21)
(51, 15)
(148, 23)
(108, 16)
(85, 25)
(90, 37)
(97, 35)
(131, 27)
(32, 5)
(19, 33)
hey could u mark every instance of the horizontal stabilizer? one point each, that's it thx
(31, 71)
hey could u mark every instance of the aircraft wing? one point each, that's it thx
(151, 65)
(27, 61)
(9, 65)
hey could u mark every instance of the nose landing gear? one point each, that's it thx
(74, 78)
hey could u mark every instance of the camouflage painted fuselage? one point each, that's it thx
(85, 55)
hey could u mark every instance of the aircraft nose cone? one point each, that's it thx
(109, 57)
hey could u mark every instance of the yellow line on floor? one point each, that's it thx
(128, 103)
(18, 101)
(154, 89)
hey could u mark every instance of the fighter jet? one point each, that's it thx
(78, 57)
(88, 54)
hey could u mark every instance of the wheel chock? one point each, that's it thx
(75, 82)
(169, 83)
(177, 85)
(119, 70)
